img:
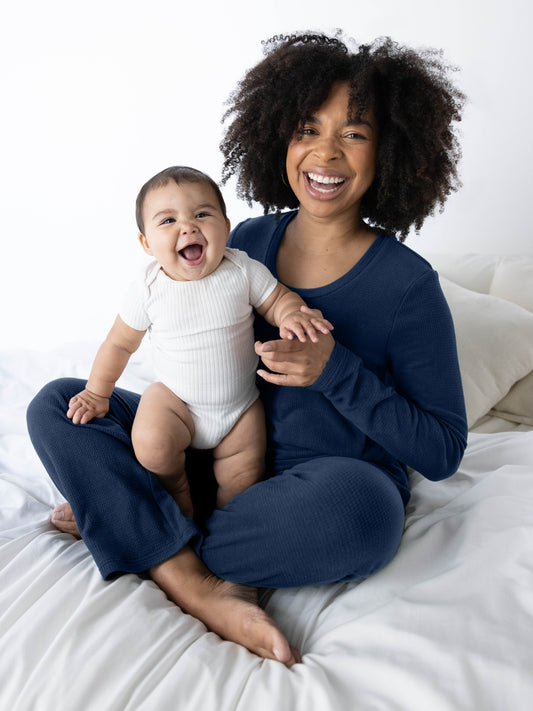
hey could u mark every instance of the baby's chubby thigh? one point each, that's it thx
(162, 430)
(239, 458)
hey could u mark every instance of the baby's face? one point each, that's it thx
(185, 229)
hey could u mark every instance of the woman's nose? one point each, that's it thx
(327, 148)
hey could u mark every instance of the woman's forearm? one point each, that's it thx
(424, 436)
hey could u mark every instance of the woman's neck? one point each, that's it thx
(315, 252)
(313, 235)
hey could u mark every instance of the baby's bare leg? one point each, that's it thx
(162, 431)
(239, 460)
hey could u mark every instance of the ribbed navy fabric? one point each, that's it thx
(391, 393)
(333, 508)
(125, 517)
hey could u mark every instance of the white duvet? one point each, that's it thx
(447, 626)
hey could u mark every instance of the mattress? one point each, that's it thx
(446, 626)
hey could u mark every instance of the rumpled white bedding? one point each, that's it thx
(447, 626)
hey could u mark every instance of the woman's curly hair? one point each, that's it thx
(415, 106)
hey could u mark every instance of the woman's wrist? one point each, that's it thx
(340, 361)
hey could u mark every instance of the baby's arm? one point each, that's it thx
(285, 309)
(110, 361)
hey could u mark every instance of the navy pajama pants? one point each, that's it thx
(325, 520)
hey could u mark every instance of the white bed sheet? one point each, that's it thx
(446, 626)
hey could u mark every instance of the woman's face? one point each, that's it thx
(331, 160)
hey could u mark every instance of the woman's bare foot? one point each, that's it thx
(230, 610)
(226, 608)
(63, 519)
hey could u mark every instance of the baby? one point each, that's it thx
(196, 300)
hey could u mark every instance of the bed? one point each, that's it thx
(447, 626)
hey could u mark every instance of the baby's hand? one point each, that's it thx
(86, 405)
(303, 323)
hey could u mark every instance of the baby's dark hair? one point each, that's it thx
(413, 100)
(179, 174)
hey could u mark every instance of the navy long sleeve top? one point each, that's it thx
(391, 392)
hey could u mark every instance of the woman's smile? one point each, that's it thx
(326, 186)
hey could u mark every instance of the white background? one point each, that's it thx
(96, 97)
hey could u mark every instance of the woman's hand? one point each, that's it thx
(86, 405)
(294, 363)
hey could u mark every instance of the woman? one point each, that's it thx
(360, 146)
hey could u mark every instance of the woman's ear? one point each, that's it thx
(228, 226)
(144, 244)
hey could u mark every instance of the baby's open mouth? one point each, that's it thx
(192, 253)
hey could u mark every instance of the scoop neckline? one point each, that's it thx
(350, 275)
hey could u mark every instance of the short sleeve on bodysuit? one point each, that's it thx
(261, 280)
(133, 307)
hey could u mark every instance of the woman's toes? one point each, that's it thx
(63, 519)
(296, 655)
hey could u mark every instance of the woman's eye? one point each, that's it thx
(305, 131)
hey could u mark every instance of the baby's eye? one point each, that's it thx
(168, 221)
(201, 214)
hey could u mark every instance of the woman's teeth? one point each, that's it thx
(324, 179)
(320, 181)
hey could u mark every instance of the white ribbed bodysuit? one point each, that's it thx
(202, 338)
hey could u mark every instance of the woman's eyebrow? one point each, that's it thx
(359, 122)
(346, 124)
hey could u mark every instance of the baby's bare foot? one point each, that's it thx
(63, 519)
(226, 608)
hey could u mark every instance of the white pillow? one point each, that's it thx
(472, 271)
(494, 343)
(513, 281)
(517, 405)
